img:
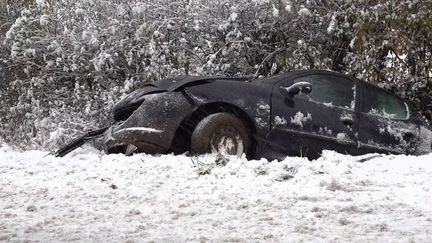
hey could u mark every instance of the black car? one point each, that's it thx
(299, 113)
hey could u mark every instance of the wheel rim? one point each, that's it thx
(228, 141)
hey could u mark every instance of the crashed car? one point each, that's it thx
(300, 113)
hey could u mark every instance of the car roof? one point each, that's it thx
(276, 78)
(173, 84)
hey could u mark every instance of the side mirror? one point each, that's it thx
(295, 89)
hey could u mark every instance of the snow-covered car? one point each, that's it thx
(299, 113)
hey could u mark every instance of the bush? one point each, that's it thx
(64, 63)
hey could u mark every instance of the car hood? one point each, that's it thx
(168, 85)
(164, 85)
(136, 96)
(130, 102)
(174, 84)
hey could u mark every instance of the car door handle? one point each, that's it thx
(347, 121)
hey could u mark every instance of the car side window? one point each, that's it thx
(330, 91)
(381, 103)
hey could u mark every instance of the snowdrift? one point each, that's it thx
(91, 197)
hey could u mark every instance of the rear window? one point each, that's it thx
(381, 103)
(329, 90)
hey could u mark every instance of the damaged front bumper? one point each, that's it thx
(120, 139)
(152, 126)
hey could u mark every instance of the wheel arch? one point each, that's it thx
(181, 142)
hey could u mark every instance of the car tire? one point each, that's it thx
(221, 133)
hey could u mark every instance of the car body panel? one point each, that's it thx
(252, 98)
(304, 127)
(425, 142)
(385, 134)
(153, 124)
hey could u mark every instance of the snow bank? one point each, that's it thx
(91, 197)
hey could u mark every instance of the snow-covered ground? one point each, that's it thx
(91, 197)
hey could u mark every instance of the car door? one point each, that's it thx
(385, 123)
(306, 124)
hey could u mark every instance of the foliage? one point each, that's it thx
(63, 63)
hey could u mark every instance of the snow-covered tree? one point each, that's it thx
(64, 63)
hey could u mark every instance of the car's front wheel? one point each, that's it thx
(221, 133)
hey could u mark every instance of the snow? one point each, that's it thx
(299, 118)
(141, 129)
(264, 107)
(352, 42)
(228, 145)
(139, 8)
(79, 11)
(288, 8)
(40, 3)
(44, 20)
(343, 138)
(300, 43)
(304, 12)
(328, 104)
(275, 11)
(261, 122)
(91, 197)
(233, 17)
(263, 112)
(280, 121)
(325, 130)
(332, 25)
(100, 60)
